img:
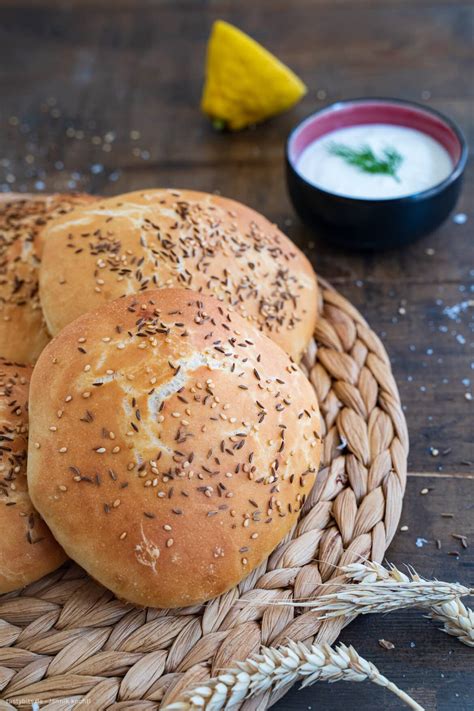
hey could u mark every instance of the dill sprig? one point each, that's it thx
(365, 159)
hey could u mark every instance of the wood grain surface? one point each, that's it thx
(103, 96)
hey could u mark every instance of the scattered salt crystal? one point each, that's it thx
(460, 218)
(453, 312)
(343, 444)
(420, 542)
(429, 251)
(468, 396)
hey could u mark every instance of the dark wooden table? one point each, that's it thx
(103, 96)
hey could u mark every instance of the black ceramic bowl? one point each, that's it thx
(360, 223)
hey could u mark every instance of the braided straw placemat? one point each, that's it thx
(64, 638)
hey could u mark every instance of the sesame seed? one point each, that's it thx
(62, 450)
(169, 542)
(123, 535)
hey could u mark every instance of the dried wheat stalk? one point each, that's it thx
(457, 619)
(277, 667)
(379, 590)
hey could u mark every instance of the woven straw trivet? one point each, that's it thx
(65, 638)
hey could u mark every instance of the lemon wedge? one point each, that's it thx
(245, 84)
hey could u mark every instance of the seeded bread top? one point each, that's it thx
(173, 446)
(166, 238)
(27, 549)
(23, 333)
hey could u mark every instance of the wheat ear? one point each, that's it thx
(457, 619)
(379, 590)
(274, 668)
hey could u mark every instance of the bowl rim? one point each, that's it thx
(457, 171)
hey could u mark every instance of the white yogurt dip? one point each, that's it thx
(423, 162)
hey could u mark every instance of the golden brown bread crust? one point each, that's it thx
(23, 333)
(172, 445)
(162, 238)
(27, 549)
